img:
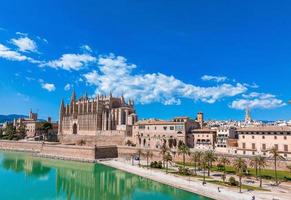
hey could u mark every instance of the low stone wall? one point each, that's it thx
(57, 150)
(106, 152)
(71, 152)
(21, 146)
(90, 140)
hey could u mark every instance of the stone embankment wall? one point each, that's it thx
(126, 152)
(57, 150)
(72, 152)
(21, 146)
(106, 152)
(99, 140)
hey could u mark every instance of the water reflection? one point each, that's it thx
(83, 181)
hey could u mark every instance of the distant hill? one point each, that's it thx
(10, 118)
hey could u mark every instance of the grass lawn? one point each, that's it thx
(252, 172)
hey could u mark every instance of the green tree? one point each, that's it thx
(196, 159)
(240, 166)
(10, 132)
(204, 165)
(44, 129)
(224, 161)
(148, 154)
(21, 132)
(139, 153)
(167, 158)
(261, 164)
(254, 164)
(210, 158)
(184, 150)
(275, 155)
(164, 150)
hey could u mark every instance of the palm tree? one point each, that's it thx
(224, 161)
(164, 150)
(196, 158)
(167, 158)
(184, 150)
(276, 156)
(139, 152)
(261, 163)
(240, 166)
(148, 154)
(210, 157)
(204, 165)
(254, 164)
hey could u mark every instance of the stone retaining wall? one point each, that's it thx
(21, 146)
(57, 150)
(106, 152)
(99, 140)
(69, 152)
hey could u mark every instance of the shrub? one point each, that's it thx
(268, 177)
(232, 181)
(184, 171)
(156, 164)
(219, 167)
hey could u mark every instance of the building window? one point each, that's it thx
(286, 147)
(264, 146)
(275, 137)
(253, 153)
(253, 146)
(171, 127)
(285, 137)
(263, 137)
(244, 152)
(165, 128)
(276, 146)
(243, 137)
(253, 137)
(244, 145)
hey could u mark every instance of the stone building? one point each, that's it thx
(204, 139)
(226, 140)
(259, 140)
(87, 118)
(155, 133)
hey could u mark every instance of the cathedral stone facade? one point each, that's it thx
(85, 118)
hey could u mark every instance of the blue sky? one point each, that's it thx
(172, 57)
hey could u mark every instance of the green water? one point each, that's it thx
(23, 176)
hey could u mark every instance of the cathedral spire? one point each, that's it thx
(73, 98)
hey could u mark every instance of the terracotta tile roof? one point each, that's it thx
(266, 129)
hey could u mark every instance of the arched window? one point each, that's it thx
(75, 129)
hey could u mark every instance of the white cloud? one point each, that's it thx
(214, 78)
(48, 86)
(24, 44)
(70, 62)
(86, 47)
(257, 100)
(22, 34)
(67, 87)
(115, 74)
(9, 54)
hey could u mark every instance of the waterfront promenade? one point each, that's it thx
(194, 185)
